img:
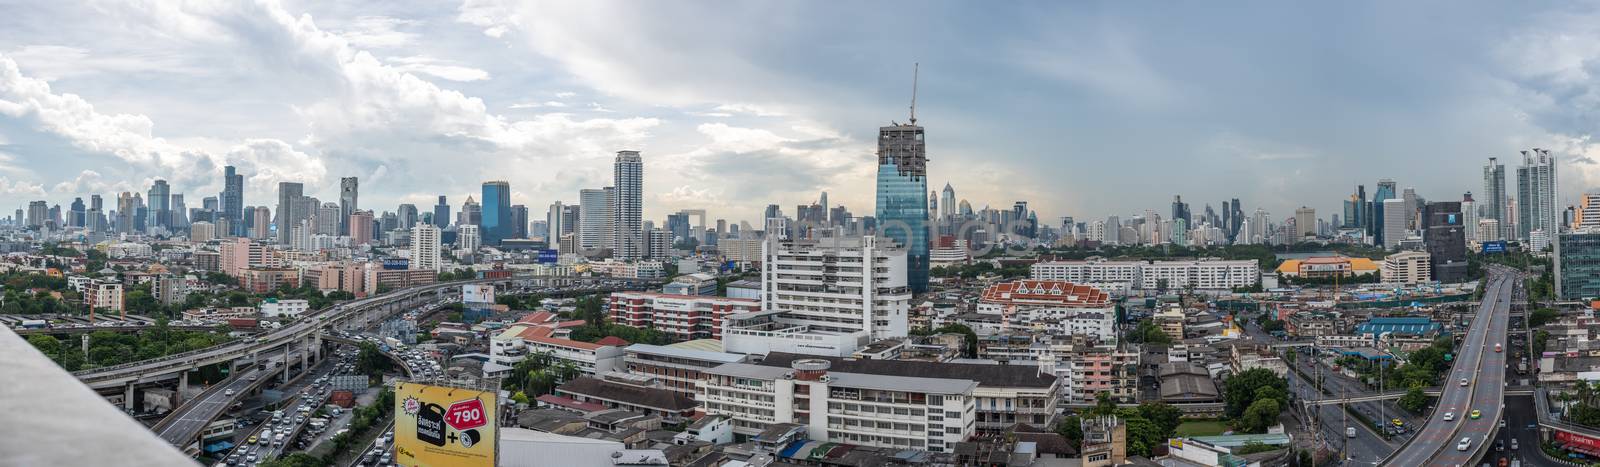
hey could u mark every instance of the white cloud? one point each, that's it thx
(437, 68)
(370, 32)
(566, 94)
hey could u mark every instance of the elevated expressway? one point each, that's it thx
(1485, 370)
(295, 345)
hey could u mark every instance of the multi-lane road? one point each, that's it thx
(1481, 360)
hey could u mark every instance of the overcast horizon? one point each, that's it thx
(1082, 110)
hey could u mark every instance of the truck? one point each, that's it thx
(35, 324)
(1350, 432)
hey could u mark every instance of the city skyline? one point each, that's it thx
(734, 149)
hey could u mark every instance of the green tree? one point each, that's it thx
(1541, 316)
(48, 345)
(1415, 401)
(1243, 388)
(1262, 414)
(298, 459)
(1071, 428)
(1164, 415)
(372, 362)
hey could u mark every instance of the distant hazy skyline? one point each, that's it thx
(1081, 109)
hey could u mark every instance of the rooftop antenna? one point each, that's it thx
(915, 69)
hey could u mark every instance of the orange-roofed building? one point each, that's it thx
(1056, 306)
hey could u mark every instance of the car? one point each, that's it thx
(251, 440)
(1475, 414)
(1463, 381)
(1513, 444)
(1448, 416)
(1464, 444)
(227, 392)
(1350, 432)
(1502, 423)
(1500, 445)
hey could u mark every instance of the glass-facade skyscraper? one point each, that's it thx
(1385, 192)
(232, 198)
(902, 212)
(496, 207)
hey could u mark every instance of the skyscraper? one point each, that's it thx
(1444, 235)
(348, 187)
(1536, 195)
(497, 224)
(1494, 196)
(160, 202)
(408, 215)
(289, 209)
(1394, 222)
(1180, 209)
(594, 218)
(627, 206)
(902, 211)
(232, 198)
(179, 213)
(1380, 220)
(441, 213)
(1305, 224)
(76, 216)
(554, 224)
(1469, 218)
(519, 221)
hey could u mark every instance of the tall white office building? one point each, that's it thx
(467, 237)
(838, 285)
(594, 218)
(1394, 222)
(1536, 194)
(628, 206)
(425, 247)
(1494, 197)
(1469, 219)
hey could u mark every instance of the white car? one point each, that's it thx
(1464, 444)
(1448, 416)
(1463, 381)
(227, 392)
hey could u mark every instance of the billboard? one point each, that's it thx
(477, 293)
(1497, 246)
(396, 263)
(548, 256)
(437, 426)
(1564, 437)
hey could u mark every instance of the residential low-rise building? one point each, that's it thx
(677, 369)
(683, 317)
(904, 412)
(275, 308)
(638, 394)
(519, 342)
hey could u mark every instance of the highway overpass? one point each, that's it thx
(1484, 367)
(299, 342)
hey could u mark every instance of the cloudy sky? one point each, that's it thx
(1083, 109)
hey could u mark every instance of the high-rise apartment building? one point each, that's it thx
(1495, 197)
(261, 227)
(441, 213)
(425, 247)
(627, 206)
(1536, 195)
(348, 187)
(497, 224)
(519, 221)
(361, 227)
(289, 208)
(1588, 213)
(328, 219)
(1469, 218)
(902, 191)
